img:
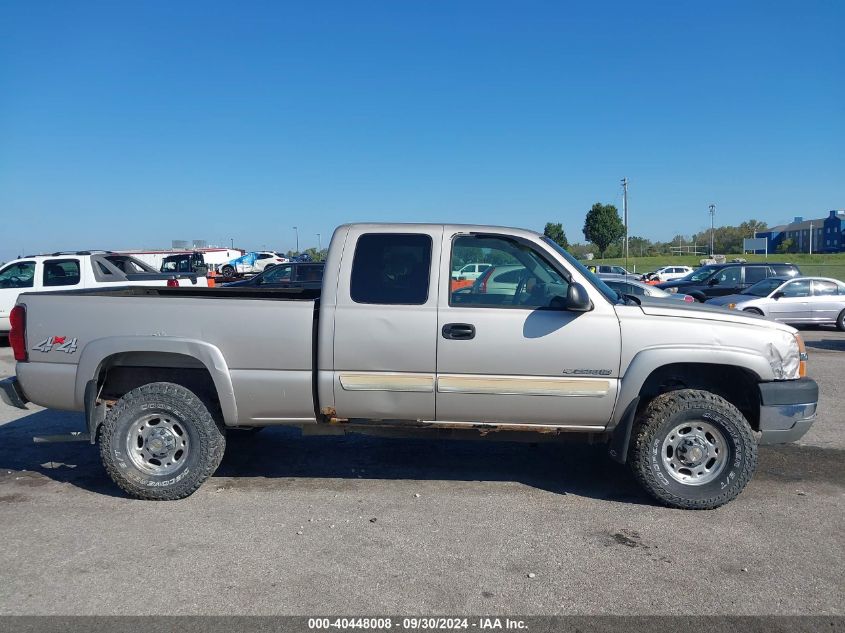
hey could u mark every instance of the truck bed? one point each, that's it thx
(277, 294)
(260, 340)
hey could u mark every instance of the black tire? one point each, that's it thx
(753, 311)
(160, 407)
(228, 271)
(840, 321)
(657, 426)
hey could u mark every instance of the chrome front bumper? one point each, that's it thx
(11, 393)
(788, 409)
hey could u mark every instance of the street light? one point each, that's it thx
(233, 242)
(319, 244)
(297, 239)
(712, 215)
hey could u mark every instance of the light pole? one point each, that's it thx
(319, 244)
(232, 239)
(712, 215)
(297, 239)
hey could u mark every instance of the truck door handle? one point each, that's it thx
(459, 331)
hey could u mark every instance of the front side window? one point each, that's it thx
(391, 269)
(800, 288)
(729, 276)
(18, 275)
(516, 275)
(701, 274)
(61, 272)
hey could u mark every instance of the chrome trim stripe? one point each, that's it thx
(522, 385)
(379, 381)
(514, 426)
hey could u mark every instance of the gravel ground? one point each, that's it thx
(317, 525)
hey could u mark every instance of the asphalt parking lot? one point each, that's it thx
(317, 525)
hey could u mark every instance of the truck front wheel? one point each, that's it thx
(160, 442)
(692, 449)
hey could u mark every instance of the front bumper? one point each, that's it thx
(12, 394)
(787, 409)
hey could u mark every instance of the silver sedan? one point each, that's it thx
(795, 300)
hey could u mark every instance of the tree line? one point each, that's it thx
(604, 234)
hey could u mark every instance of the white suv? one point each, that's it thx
(470, 271)
(76, 270)
(668, 273)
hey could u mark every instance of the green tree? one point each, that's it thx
(556, 233)
(603, 226)
(786, 246)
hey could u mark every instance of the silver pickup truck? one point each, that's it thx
(392, 344)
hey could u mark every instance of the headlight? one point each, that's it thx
(731, 306)
(672, 289)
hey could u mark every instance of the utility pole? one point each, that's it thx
(625, 216)
(232, 239)
(297, 239)
(712, 217)
(319, 244)
(811, 238)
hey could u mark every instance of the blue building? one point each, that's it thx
(823, 235)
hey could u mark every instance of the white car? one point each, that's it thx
(77, 270)
(798, 300)
(254, 262)
(668, 273)
(470, 271)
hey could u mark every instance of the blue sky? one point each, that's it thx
(129, 124)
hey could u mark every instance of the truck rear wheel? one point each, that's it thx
(692, 449)
(160, 442)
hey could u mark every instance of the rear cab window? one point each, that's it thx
(391, 269)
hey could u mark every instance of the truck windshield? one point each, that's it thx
(602, 287)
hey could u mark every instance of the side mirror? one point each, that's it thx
(577, 299)
(713, 282)
(778, 295)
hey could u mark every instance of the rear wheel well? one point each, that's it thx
(735, 384)
(121, 373)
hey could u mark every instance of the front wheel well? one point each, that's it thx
(735, 384)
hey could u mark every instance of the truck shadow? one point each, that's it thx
(259, 462)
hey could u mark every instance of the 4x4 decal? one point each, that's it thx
(66, 345)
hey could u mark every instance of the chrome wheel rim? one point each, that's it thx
(158, 444)
(695, 452)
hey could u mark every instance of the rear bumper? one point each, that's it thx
(12, 394)
(787, 409)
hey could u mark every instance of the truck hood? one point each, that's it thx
(657, 307)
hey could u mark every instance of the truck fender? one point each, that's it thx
(97, 351)
(651, 359)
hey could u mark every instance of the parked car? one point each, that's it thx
(501, 280)
(668, 273)
(290, 275)
(638, 288)
(683, 393)
(185, 263)
(716, 280)
(252, 262)
(470, 271)
(800, 300)
(77, 270)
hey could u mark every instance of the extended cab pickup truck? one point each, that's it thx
(682, 393)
